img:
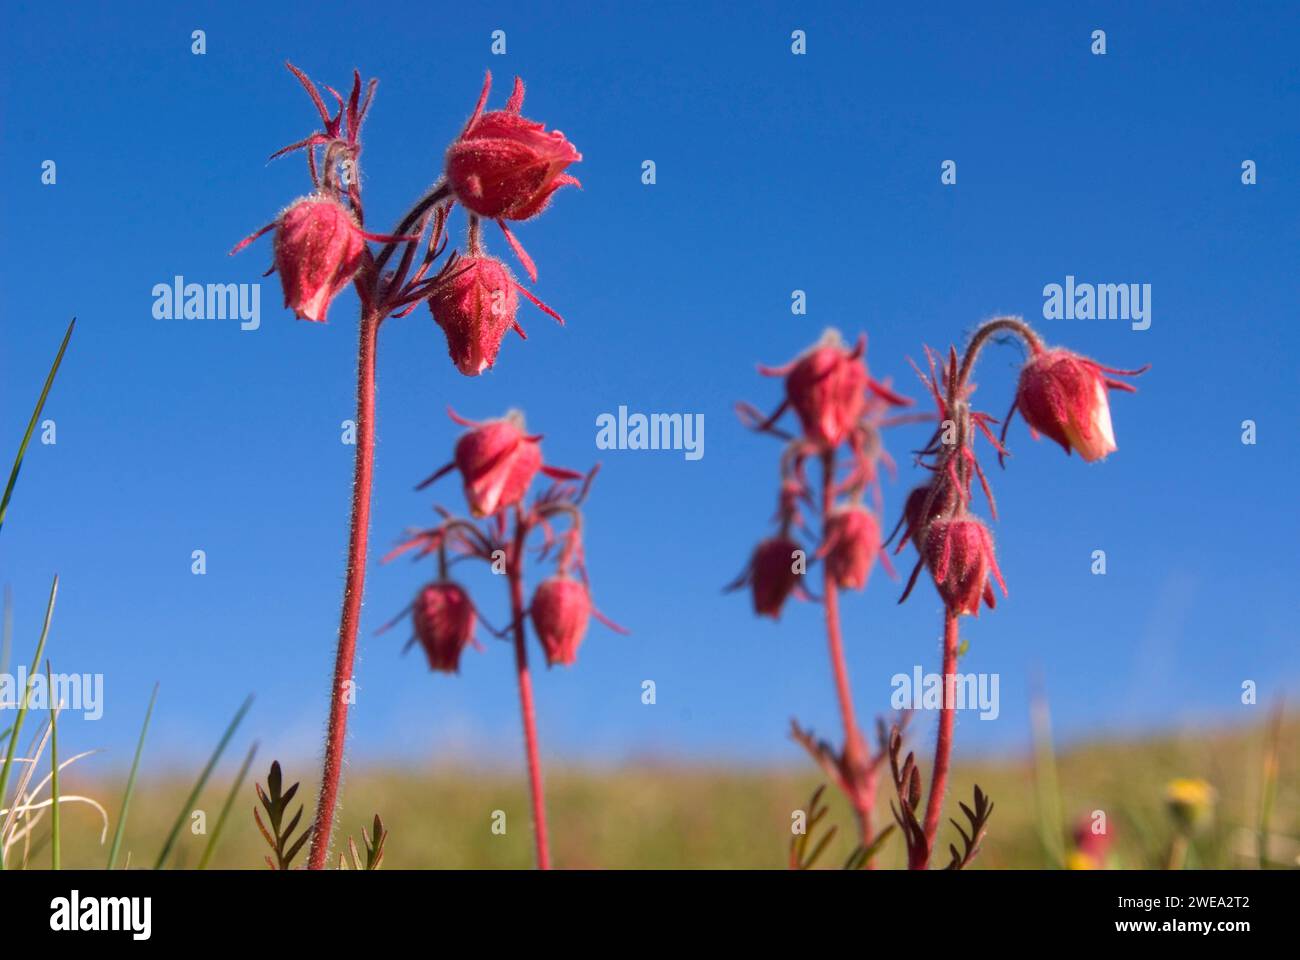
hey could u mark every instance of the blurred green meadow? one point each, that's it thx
(655, 815)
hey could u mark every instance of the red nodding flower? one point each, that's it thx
(318, 248)
(771, 574)
(959, 553)
(916, 518)
(1063, 396)
(852, 540)
(504, 166)
(476, 307)
(443, 616)
(497, 461)
(827, 386)
(561, 609)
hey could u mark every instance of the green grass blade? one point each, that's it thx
(130, 784)
(226, 807)
(22, 706)
(54, 771)
(31, 426)
(200, 784)
(7, 633)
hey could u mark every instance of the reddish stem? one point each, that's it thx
(859, 774)
(515, 573)
(354, 587)
(943, 743)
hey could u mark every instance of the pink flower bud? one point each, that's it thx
(915, 517)
(959, 553)
(852, 540)
(475, 308)
(1063, 396)
(497, 461)
(773, 575)
(827, 388)
(561, 609)
(318, 248)
(505, 166)
(444, 624)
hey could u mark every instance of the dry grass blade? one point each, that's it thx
(22, 713)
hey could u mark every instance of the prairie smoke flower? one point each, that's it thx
(772, 574)
(827, 387)
(561, 609)
(852, 540)
(1063, 396)
(959, 553)
(475, 308)
(504, 166)
(318, 248)
(916, 518)
(443, 616)
(497, 461)
(1090, 848)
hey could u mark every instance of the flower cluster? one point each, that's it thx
(840, 409)
(502, 166)
(1060, 395)
(497, 461)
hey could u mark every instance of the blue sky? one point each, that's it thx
(775, 172)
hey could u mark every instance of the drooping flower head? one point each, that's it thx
(444, 618)
(959, 553)
(1063, 396)
(504, 166)
(773, 574)
(497, 460)
(318, 249)
(475, 307)
(850, 545)
(917, 515)
(828, 389)
(561, 609)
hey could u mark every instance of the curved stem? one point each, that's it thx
(354, 586)
(1013, 324)
(858, 773)
(943, 743)
(515, 573)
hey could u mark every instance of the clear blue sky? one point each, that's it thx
(775, 172)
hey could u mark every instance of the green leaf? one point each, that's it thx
(200, 784)
(130, 783)
(225, 809)
(31, 426)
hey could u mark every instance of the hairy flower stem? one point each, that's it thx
(943, 743)
(859, 775)
(515, 574)
(354, 587)
(998, 325)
